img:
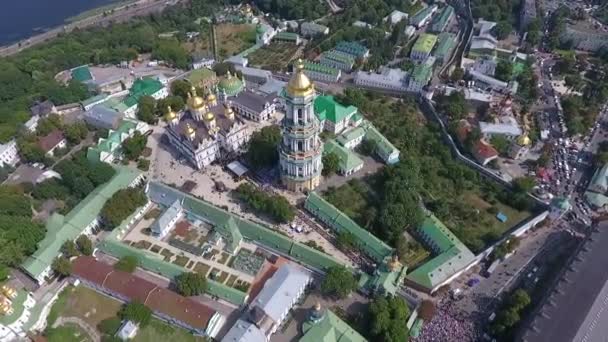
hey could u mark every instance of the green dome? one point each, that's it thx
(259, 29)
(231, 85)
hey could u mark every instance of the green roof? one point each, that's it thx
(422, 73)
(384, 281)
(94, 99)
(385, 147)
(112, 143)
(597, 200)
(330, 329)
(351, 135)
(18, 308)
(420, 14)
(348, 159)
(451, 255)
(441, 20)
(332, 110)
(425, 43)
(287, 36)
(338, 56)
(320, 68)
(352, 48)
(599, 181)
(62, 228)
(82, 73)
(200, 75)
(445, 43)
(142, 87)
(416, 327)
(231, 84)
(337, 220)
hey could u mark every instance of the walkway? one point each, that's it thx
(82, 324)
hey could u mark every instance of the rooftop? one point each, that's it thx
(321, 68)
(49, 141)
(425, 43)
(445, 43)
(333, 111)
(330, 329)
(81, 73)
(348, 159)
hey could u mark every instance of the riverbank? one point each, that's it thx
(117, 4)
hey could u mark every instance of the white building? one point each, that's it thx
(203, 63)
(278, 297)
(166, 222)
(311, 29)
(243, 331)
(264, 34)
(395, 17)
(9, 154)
(507, 130)
(127, 330)
(254, 106)
(409, 31)
(254, 75)
(391, 79)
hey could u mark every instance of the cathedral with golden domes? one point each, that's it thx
(301, 148)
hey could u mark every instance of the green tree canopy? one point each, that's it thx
(504, 70)
(146, 109)
(136, 312)
(127, 263)
(133, 147)
(387, 315)
(62, 266)
(263, 147)
(84, 244)
(338, 282)
(191, 283)
(331, 164)
(122, 204)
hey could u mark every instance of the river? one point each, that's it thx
(20, 19)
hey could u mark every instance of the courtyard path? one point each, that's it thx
(82, 324)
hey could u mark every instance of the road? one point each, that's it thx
(121, 13)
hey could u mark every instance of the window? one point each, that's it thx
(300, 146)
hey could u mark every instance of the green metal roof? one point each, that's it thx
(317, 67)
(142, 87)
(452, 255)
(62, 228)
(338, 56)
(94, 99)
(82, 73)
(597, 200)
(441, 20)
(352, 48)
(287, 36)
(348, 159)
(17, 305)
(333, 111)
(351, 135)
(599, 182)
(425, 43)
(421, 14)
(382, 143)
(445, 42)
(199, 75)
(337, 220)
(330, 329)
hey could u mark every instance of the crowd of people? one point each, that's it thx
(447, 326)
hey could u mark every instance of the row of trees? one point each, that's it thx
(510, 314)
(276, 206)
(122, 204)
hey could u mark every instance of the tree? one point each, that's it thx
(574, 81)
(75, 132)
(62, 266)
(503, 29)
(133, 147)
(191, 284)
(454, 105)
(524, 184)
(263, 147)
(143, 164)
(345, 240)
(146, 109)
(315, 245)
(457, 74)
(367, 147)
(331, 164)
(180, 88)
(136, 312)
(504, 71)
(5, 272)
(387, 315)
(172, 52)
(276, 206)
(501, 144)
(122, 204)
(85, 246)
(69, 249)
(223, 68)
(338, 282)
(109, 326)
(127, 263)
(176, 103)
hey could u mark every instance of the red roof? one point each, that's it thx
(159, 299)
(49, 141)
(484, 151)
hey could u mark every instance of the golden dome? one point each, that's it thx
(195, 101)
(189, 129)
(524, 140)
(211, 97)
(170, 114)
(209, 116)
(300, 85)
(228, 110)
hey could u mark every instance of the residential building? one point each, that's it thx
(127, 330)
(483, 42)
(441, 20)
(321, 72)
(108, 149)
(338, 60)
(43, 108)
(333, 116)
(165, 304)
(508, 130)
(492, 82)
(423, 47)
(289, 37)
(339, 222)
(351, 138)
(395, 16)
(244, 331)
(167, 220)
(254, 106)
(312, 29)
(409, 31)
(384, 149)
(102, 116)
(52, 142)
(485, 65)
(32, 123)
(572, 307)
(451, 257)
(324, 325)
(584, 35)
(353, 48)
(93, 101)
(420, 77)
(484, 152)
(15, 311)
(389, 79)
(142, 87)
(301, 147)
(349, 162)
(208, 129)
(527, 14)
(272, 87)
(203, 77)
(82, 219)
(423, 16)
(9, 153)
(254, 75)
(237, 60)
(446, 42)
(280, 294)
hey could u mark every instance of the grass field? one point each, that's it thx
(234, 38)
(67, 333)
(160, 331)
(274, 57)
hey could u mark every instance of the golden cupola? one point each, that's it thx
(8, 291)
(194, 101)
(170, 115)
(300, 85)
(190, 132)
(228, 112)
(211, 99)
(524, 140)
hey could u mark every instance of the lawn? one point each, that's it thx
(67, 333)
(224, 258)
(167, 254)
(158, 330)
(234, 38)
(274, 57)
(181, 260)
(231, 280)
(201, 268)
(85, 303)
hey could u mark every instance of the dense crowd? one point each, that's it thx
(447, 326)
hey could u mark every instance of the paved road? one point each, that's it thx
(79, 322)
